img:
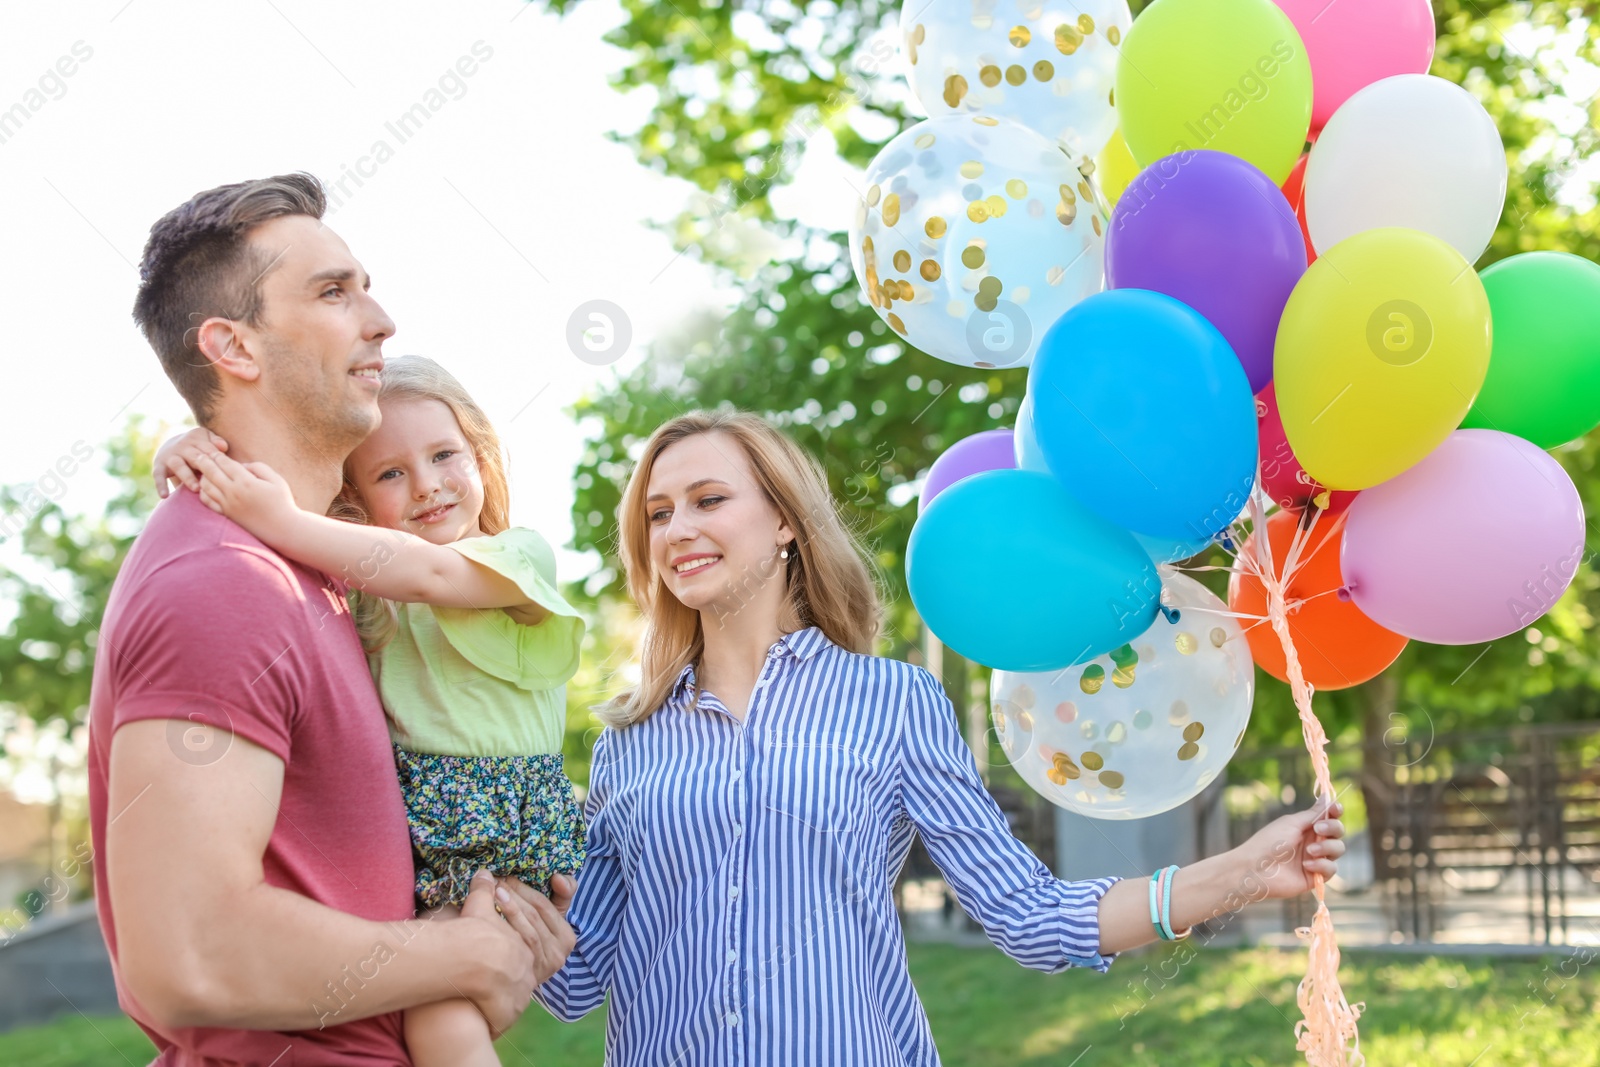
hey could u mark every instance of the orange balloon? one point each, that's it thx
(1338, 645)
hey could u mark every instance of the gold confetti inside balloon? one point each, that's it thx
(1048, 64)
(972, 236)
(1128, 751)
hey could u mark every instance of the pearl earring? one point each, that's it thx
(783, 554)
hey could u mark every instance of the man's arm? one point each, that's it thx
(204, 941)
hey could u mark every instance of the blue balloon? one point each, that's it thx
(1144, 414)
(1025, 440)
(1008, 570)
(1025, 443)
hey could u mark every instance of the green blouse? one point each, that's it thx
(475, 682)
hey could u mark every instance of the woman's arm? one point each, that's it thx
(1044, 922)
(580, 986)
(1035, 918)
(388, 563)
(1277, 862)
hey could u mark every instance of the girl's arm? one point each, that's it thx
(175, 460)
(388, 563)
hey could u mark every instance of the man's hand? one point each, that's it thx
(175, 461)
(537, 941)
(251, 494)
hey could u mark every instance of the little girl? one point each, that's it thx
(469, 642)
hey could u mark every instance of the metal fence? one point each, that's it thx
(1513, 811)
(1484, 836)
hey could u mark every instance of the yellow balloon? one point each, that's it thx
(1227, 75)
(1115, 168)
(1382, 348)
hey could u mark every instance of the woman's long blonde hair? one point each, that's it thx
(418, 377)
(829, 580)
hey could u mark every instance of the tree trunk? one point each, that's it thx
(1378, 763)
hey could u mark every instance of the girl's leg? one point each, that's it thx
(449, 1033)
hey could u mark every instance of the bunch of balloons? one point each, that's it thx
(1232, 243)
(1251, 322)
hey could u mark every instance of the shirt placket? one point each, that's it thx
(740, 792)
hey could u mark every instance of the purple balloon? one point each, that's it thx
(991, 450)
(1475, 542)
(1212, 231)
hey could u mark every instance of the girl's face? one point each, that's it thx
(416, 472)
(714, 535)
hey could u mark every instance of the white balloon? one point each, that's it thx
(1414, 151)
(974, 235)
(1142, 730)
(1048, 64)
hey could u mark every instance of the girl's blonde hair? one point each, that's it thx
(418, 377)
(829, 581)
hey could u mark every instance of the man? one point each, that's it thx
(253, 862)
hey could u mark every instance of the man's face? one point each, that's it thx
(320, 336)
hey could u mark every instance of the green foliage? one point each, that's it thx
(46, 650)
(744, 86)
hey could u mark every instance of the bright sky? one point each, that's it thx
(486, 229)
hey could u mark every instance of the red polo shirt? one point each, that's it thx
(205, 624)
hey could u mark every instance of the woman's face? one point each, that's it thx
(714, 535)
(416, 472)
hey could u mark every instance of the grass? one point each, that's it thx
(1220, 1007)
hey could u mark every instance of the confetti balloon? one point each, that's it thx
(974, 235)
(1048, 64)
(1143, 729)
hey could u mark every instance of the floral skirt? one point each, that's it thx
(514, 815)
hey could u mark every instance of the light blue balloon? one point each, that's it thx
(1008, 570)
(1142, 411)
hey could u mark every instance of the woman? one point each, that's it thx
(753, 798)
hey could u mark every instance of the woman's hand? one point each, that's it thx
(175, 460)
(251, 494)
(1281, 858)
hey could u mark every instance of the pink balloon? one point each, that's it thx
(1477, 541)
(989, 450)
(1353, 43)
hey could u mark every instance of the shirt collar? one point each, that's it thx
(801, 645)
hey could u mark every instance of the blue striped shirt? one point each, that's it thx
(737, 900)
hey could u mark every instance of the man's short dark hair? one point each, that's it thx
(199, 263)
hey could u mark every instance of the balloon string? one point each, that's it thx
(1327, 1034)
(1289, 605)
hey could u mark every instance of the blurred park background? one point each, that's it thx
(1470, 903)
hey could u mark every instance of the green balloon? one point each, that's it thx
(1227, 75)
(1544, 371)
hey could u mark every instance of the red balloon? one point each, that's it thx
(1294, 187)
(1281, 474)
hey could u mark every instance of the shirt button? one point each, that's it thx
(738, 829)
(732, 955)
(737, 773)
(734, 892)
(733, 1018)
